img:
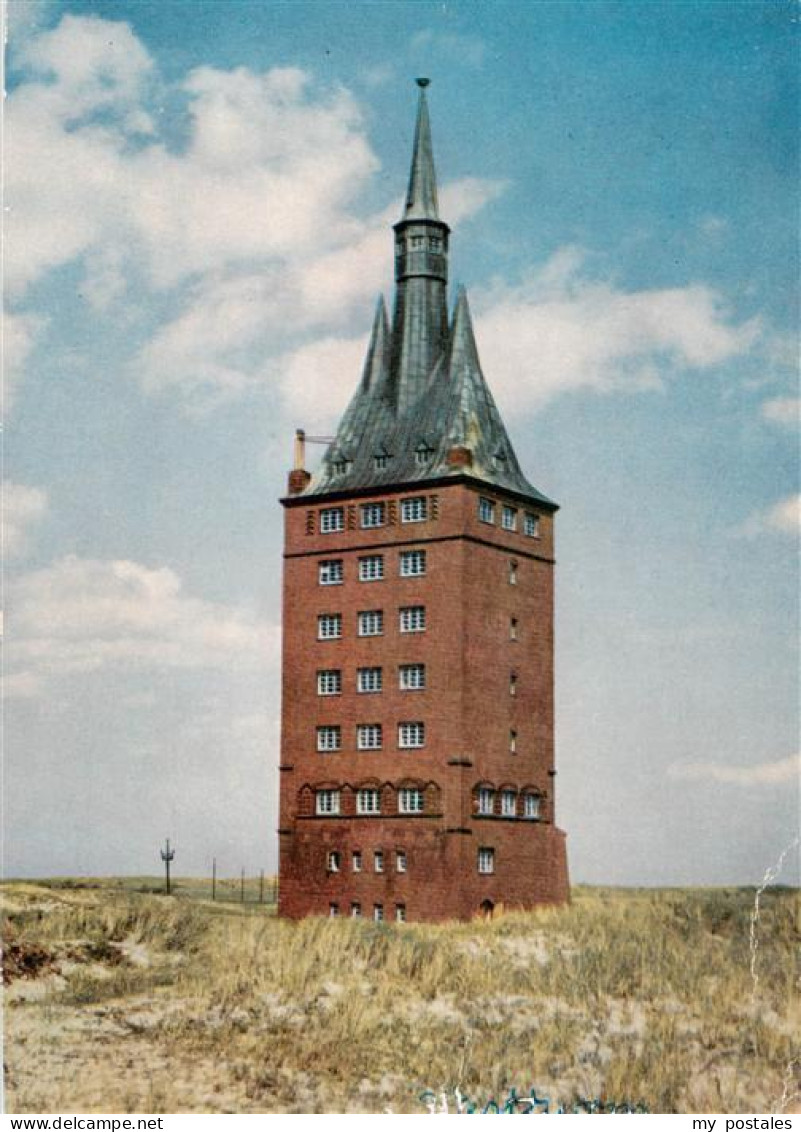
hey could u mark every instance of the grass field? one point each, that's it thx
(122, 999)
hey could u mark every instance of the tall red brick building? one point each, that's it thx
(417, 750)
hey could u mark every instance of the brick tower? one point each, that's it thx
(417, 750)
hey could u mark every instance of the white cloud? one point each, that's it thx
(81, 615)
(760, 774)
(432, 44)
(23, 506)
(561, 329)
(785, 516)
(19, 338)
(782, 411)
(317, 380)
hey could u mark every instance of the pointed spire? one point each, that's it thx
(421, 199)
(462, 349)
(376, 360)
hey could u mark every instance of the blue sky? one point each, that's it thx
(199, 199)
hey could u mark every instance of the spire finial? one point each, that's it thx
(421, 198)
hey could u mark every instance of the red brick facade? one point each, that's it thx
(487, 709)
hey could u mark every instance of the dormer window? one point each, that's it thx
(380, 461)
(500, 460)
(422, 454)
(339, 467)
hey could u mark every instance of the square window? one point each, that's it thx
(369, 680)
(400, 861)
(509, 804)
(531, 525)
(486, 801)
(332, 572)
(328, 802)
(509, 518)
(356, 860)
(329, 626)
(356, 911)
(332, 519)
(486, 510)
(411, 735)
(371, 569)
(378, 861)
(329, 738)
(486, 861)
(412, 677)
(372, 515)
(412, 563)
(369, 736)
(414, 510)
(381, 461)
(329, 682)
(400, 913)
(371, 623)
(378, 912)
(410, 801)
(333, 861)
(368, 802)
(413, 619)
(531, 806)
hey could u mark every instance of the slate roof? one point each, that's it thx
(383, 440)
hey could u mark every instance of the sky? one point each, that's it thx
(198, 207)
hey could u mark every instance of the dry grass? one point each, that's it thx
(147, 1003)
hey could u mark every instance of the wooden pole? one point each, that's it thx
(261, 887)
(167, 855)
(242, 888)
(214, 878)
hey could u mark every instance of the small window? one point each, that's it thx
(373, 515)
(486, 861)
(332, 572)
(412, 677)
(371, 569)
(500, 461)
(356, 861)
(422, 455)
(512, 628)
(369, 680)
(356, 911)
(333, 910)
(412, 563)
(513, 573)
(333, 861)
(512, 684)
(378, 861)
(435, 243)
(531, 525)
(486, 510)
(332, 519)
(329, 738)
(329, 626)
(418, 241)
(378, 912)
(508, 803)
(410, 801)
(486, 801)
(413, 619)
(340, 467)
(371, 623)
(509, 518)
(328, 802)
(381, 461)
(369, 736)
(414, 510)
(329, 682)
(400, 913)
(411, 735)
(531, 806)
(400, 861)
(513, 742)
(368, 802)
